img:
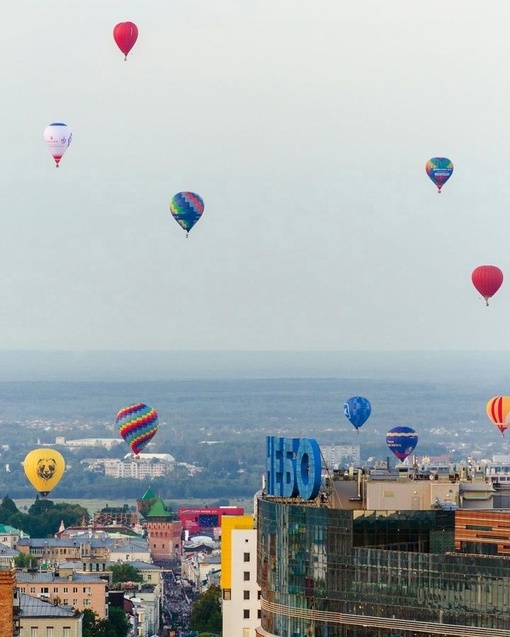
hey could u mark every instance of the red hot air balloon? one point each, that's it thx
(487, 279)
(125, 35)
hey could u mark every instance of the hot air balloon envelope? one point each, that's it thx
(401, 441)
(138, 425)
(487, 279)
(439, 169)
(186, 209)
(357, 410)
(125, 35)
(44, 468)
(498, 410)
(57, 137)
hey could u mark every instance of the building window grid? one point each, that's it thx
(374, 577)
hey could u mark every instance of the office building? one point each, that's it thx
(413, 563)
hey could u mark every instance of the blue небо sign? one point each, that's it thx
(293, 467)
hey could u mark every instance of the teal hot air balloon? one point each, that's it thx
(357, 411)
(439, 170)
(138, 425)
(187, 209)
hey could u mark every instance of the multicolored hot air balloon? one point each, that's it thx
(138, 425)
(401, 441)
(439, 169)
(57, 137)
(498, 410)
(357, 411)
(44, 468)
(125, 35)
(487, 279)
(186, 209)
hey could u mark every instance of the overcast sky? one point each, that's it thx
(304, 125)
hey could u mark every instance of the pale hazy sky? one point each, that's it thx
(304, 125)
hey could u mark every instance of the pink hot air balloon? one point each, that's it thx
(125, 35)
(487, 279)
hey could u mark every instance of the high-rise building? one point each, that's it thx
(240, 591)
(412, 564)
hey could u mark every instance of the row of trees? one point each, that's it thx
(43, 517)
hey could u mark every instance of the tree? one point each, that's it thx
(119, 621)
(125, 573)
(24, 561)
(115, 626)
(206, 611)
(89, 623)
(104, 628)
(7, 509)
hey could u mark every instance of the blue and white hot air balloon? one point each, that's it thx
(357, 410)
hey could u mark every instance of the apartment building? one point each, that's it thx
(79, 590)
(40, 618)
(240, 591)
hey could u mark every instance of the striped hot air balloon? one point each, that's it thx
(498, 410)
(138, 425)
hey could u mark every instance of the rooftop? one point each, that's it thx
(35, 607)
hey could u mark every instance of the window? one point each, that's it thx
(75, 602)
(86, 602)
(246, 594)
(149, 577)
(246, 613)
(246, 557)
(246, 632)
(75, 589)
(34, 632)
(50, 632)
(32, 589)
(66, 631)
(259, 613)
(87, 589)
(55, 589)
(44, 589)
(259, 594)
(66, 602)
(227, 594)
(66, 589)
(246, 576)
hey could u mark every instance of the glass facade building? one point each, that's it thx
(327, 572)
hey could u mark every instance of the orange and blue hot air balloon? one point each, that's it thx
(186, 209)
(439, 169)
(498, 410)
(138, 425)
(357, 411)
(401, 441)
